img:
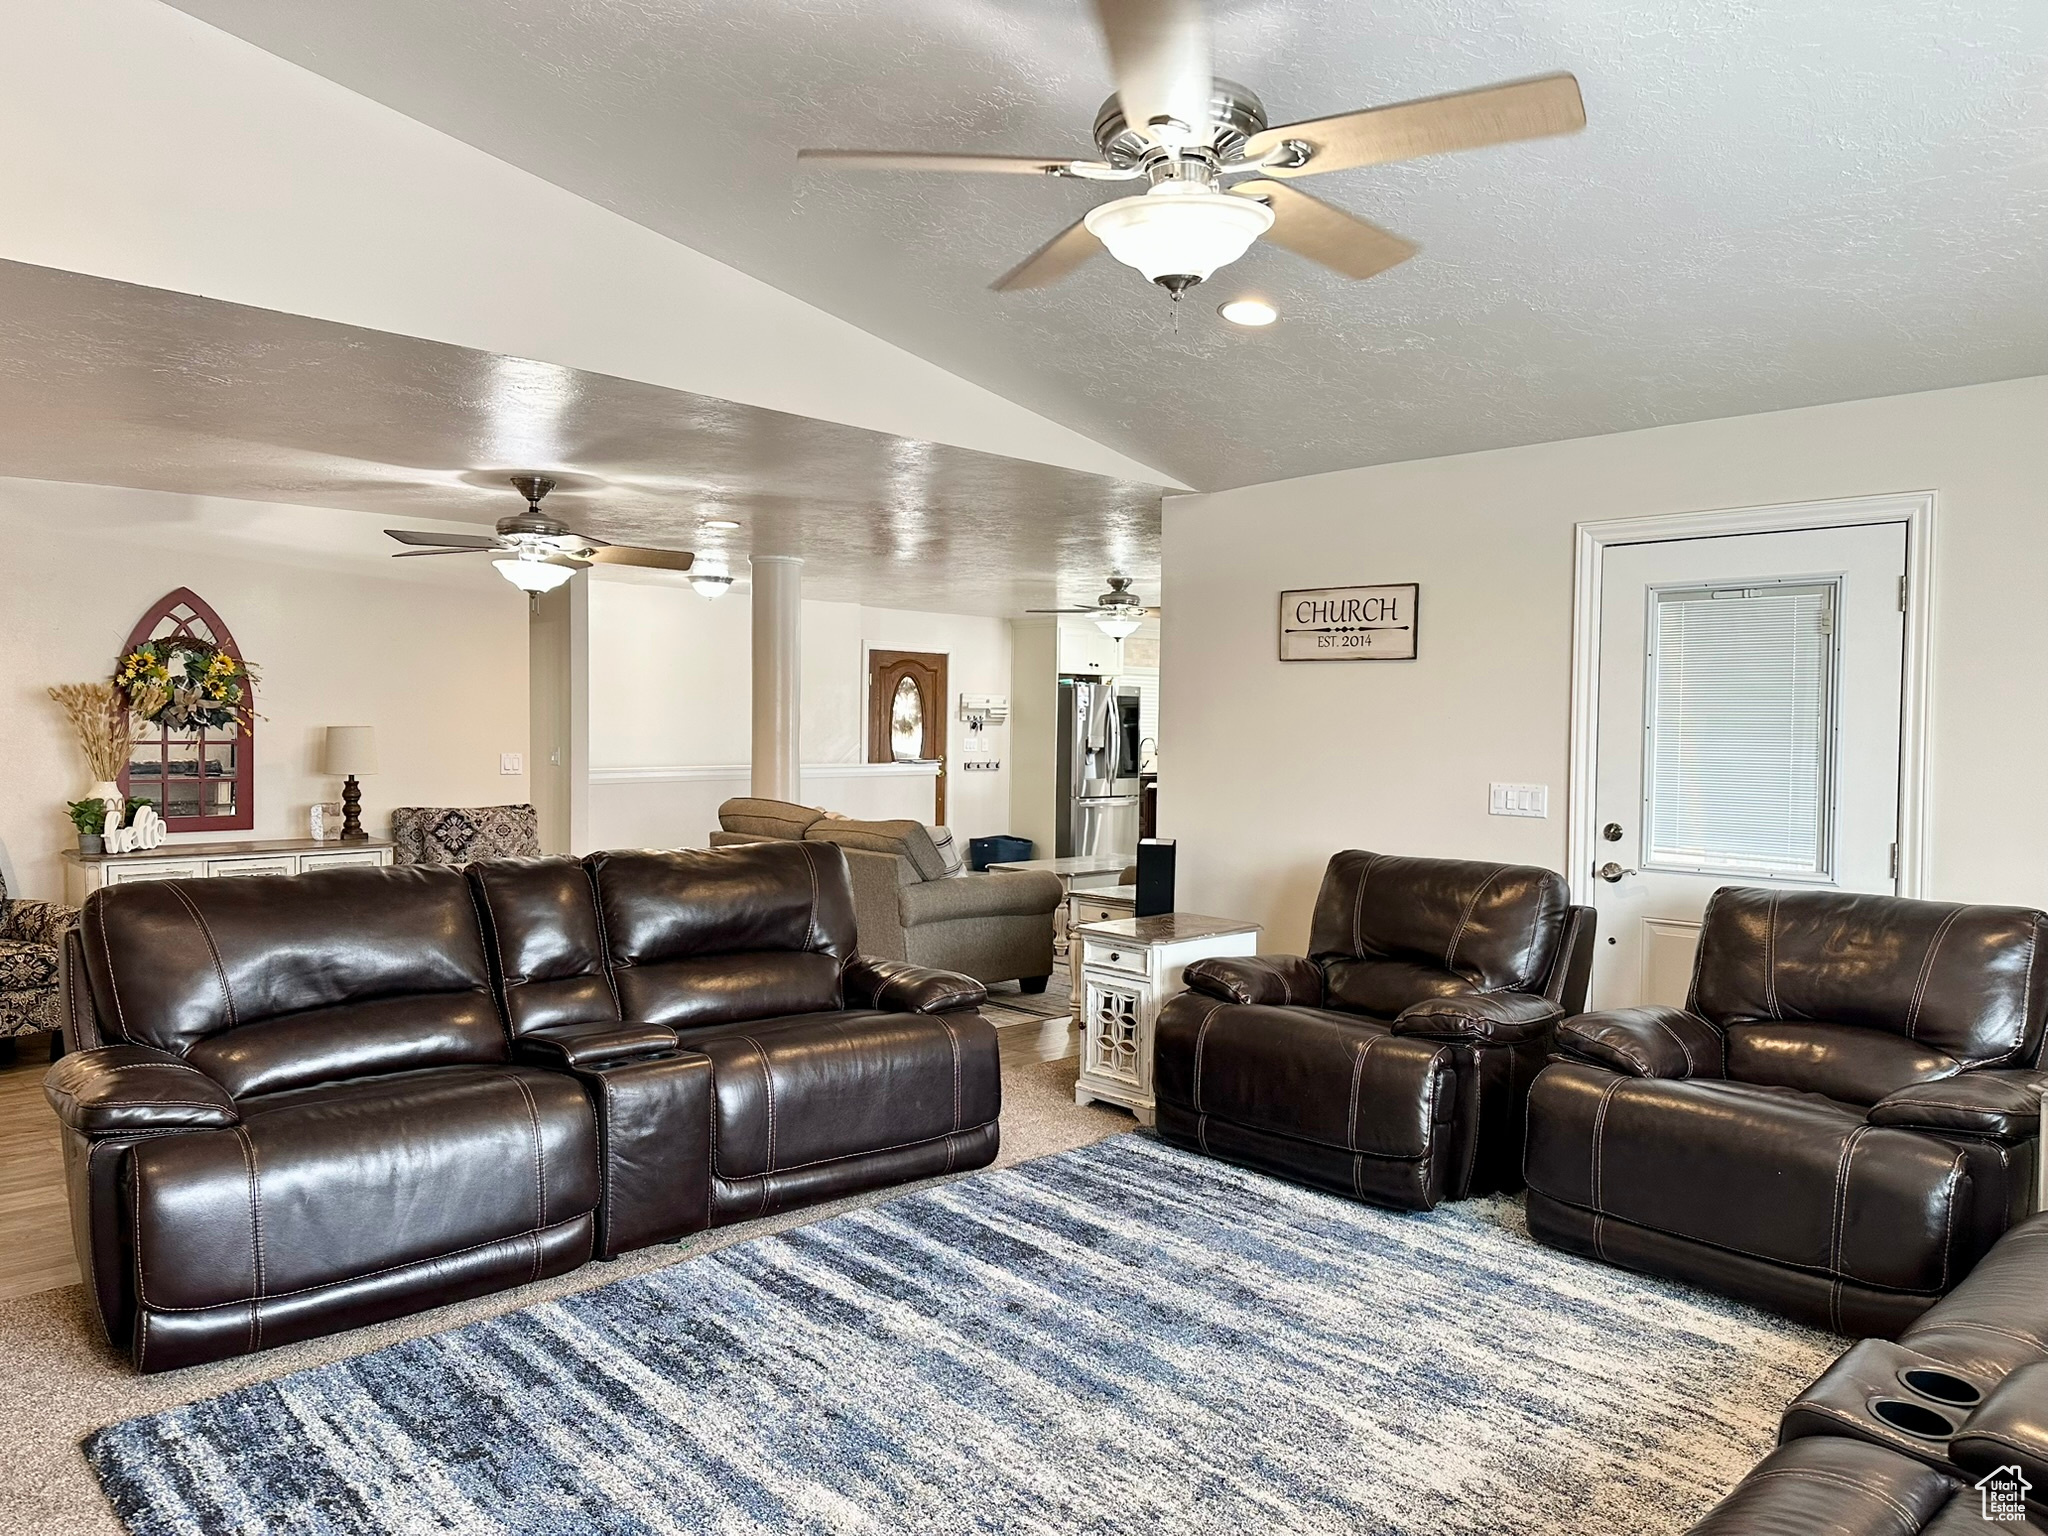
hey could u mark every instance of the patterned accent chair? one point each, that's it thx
(463, 835)
(31, 949)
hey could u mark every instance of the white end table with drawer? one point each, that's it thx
(1129, 967)
(85, 873)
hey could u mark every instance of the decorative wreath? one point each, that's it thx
(207, 686)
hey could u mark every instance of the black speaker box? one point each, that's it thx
(1155, 877)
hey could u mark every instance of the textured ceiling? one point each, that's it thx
(1774, 204)
(112, 384)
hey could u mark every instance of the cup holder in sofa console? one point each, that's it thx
(1940, 1386)
(1916, 1419)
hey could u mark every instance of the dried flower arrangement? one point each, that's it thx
(108, 720)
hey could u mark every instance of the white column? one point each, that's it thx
(778, 682)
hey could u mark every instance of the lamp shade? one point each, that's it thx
(351, 752)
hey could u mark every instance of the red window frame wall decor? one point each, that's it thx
(219, 760)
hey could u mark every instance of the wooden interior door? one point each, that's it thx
(907, 713)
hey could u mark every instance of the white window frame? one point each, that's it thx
(1914, 509)
(1831, 748)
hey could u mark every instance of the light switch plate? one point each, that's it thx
(1518, 800)
(511, 763)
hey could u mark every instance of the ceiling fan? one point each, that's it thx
(538, 553)
(1192, 135)
(1117, 613)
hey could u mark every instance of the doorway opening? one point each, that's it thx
(907, 714)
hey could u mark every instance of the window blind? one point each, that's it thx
(1738, 773)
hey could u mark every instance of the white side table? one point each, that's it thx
(1129, 967)
(1100, 904)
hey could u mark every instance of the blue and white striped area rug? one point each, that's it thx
(1123, 1338)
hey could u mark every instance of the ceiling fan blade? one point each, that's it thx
(447, 541)
(1310, 227)
(652, 559)
(919, 160)
(1059, 257)
(414, 554)
(1436, 125)
(1159, 52)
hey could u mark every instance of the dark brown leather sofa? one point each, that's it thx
(302, 1104)
(1391, 1064)
(1838, 1124)
(1970, 1380)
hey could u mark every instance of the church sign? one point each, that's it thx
(1349, 623)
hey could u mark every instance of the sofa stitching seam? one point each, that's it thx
(1927, 972)
(1201, 1040)
(1465, 920)
(540, 1178)
(255, 1234)
(220, 971)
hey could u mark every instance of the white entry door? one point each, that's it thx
(1748, 734)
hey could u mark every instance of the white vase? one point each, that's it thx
(106, 789)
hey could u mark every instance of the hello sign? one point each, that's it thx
(1349, 623)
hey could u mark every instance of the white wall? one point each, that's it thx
(146, 146)
(670, 695)
(1271, 767)
(432, 653)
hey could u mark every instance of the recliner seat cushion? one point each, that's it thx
(173, 963)
(323, 1185)
(698, 938)
(1788, 1177)
(1390, 931)
(794, 1092)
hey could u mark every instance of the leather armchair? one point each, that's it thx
(1391, 1062)
(1839, 1122)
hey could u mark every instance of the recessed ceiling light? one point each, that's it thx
(1248, 312)
(720, 522)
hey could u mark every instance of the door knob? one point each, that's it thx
(1612, 873)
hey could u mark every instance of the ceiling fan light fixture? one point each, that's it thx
(533, 575)
(1179, 230)
(710, 586)
(1249, 312)
(1120, 625)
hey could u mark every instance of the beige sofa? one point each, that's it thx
(912, 898)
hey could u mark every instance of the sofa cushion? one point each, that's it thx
(930, 849)
(25, 966)
(1791, 1178)
(1949, 978)
(459, 834)
(1010, 893)
(1856, 1066)
(1390, 931)
(327, 1184)
(173, 962)
(766, 818)
(794, 1092)
(699, 937)
(540, 921)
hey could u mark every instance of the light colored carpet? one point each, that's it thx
(58, 1381)
(1124, 1339)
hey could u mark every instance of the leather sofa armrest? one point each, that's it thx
(36, 922)
(1653, 1041)
(2004, 1106)
(1485, 1018)
(116, 1090)
(899, 987)
(1272, 981)
(2009, 1427)
(595, 1043)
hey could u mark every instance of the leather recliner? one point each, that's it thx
(1392, 1062)
(1837, 1125)
(302, 1104)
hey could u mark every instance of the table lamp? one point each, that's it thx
(351, 752)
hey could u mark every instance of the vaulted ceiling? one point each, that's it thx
(1772, 205)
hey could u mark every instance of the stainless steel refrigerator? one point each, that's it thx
(1097, 759)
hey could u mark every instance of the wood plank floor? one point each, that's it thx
(35, 1222)
(35, 1219)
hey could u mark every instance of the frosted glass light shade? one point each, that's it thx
(710, 585)
(1120, 626)
(533, 575)
(1178, 230)
(351, 752)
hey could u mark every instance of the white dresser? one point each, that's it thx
(1129, 967)
(85, 873)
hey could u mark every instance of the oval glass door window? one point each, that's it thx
(906, 722)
